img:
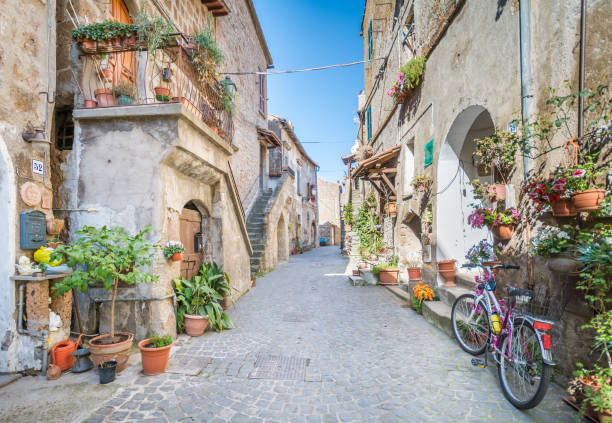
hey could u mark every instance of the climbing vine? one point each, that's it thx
(366, 226)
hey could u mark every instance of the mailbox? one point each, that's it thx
(32, 230)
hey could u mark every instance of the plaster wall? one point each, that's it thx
(329, 202)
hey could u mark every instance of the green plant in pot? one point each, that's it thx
(125, 93)
(218, 280)
(349, 218)
(387, 272)
(108, 256)
(206, 57)
(155, 352)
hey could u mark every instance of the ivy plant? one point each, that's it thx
(366, 226)
(108, 256)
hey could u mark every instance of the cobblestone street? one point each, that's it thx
(364, 358)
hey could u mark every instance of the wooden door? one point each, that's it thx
(123, 64)
(190, 225)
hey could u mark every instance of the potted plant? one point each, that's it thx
(348, 216)
(483, 253)
(391, 208)
(206, 57)
(422, 292)
(387, 272)
(109, 256)
(448, 271)
(498, 152)
(501, 223)
(152, 31)
(104, 97)
(408, 77)
(587, 194)
(91, 104)
(199, 303)
(558, 245)
(421, 183)
(162, 94)
(551, 190)
(219, 281)
(413, 264)
(54, 242)
(174, 250)
(155, 351)
(125, 93)
(107, 370)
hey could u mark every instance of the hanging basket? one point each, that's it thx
(588, 200)
(563, 207)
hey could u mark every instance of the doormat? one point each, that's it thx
(279, 368)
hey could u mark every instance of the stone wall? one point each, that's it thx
(328, 197)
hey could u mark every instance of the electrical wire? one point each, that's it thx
(340, 65)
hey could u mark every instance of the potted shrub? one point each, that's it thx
(125, 93)
(152, 31)
(199, 303)
(587, 194)
(501, 223)
(174, 250)
(387, 272)
(348, 216)
(408, 78)
(559, 247)
(155, 352)
(421, 183)
(413, 264)
(219, 281)
(448, 271)
(109, 256)
(551, 190)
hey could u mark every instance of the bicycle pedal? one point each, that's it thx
(479, 363)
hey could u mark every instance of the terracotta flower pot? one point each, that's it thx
(355, 272)
(117, 42)
(195, 325)
(414, 273)
(88, 45)
(253, 282)
(162, 93)
(154, 360)
(105, 45)
(564, 263)
(563, 207)
(53, 372)
(104, 97)
(91, 104)
(448, 271)
(491, 264)
(55, 226)
(503, 232)
(391, 208)
(177, 257)
(117, 351)
(106, 74)
(588, 200)
(388, 276)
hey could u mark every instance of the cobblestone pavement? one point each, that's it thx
(355, 355)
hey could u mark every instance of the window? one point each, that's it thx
(64, 135)
(370, 41)
(263, 94)
(369, 122)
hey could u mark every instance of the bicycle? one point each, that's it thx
(520, 340)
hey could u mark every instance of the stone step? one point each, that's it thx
(449, 295)
(357, 281)
(438, 314)
(400, 293)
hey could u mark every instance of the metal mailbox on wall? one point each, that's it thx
(32, 230)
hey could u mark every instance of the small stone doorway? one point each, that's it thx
(190, 227)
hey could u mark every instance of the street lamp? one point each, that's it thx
(231, 85)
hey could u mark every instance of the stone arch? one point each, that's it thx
(7, 257)
(282, 240)
(455, 170)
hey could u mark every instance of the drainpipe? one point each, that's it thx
(526, 82)
(581, 68)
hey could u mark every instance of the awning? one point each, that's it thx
(376, 171)
(376, 161)
(268, 136)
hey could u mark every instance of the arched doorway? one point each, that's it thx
(282, 244)
(313, 234)
(195, 236)
(455, 194)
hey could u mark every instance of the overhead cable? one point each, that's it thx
(341, 65)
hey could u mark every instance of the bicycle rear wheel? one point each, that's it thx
(470, 324)
(523, 375)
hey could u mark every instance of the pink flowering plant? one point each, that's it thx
(408, 77)
(550, 189)
(583, 176)
(493, 218)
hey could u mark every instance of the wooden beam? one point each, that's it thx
(380, 191)
(384, 177)
(385, 170)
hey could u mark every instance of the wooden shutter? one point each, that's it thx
(123, 64)
(370, 41)
(369, 122)
(263, 94)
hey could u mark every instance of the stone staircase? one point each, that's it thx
(438, 313)
(256, 228)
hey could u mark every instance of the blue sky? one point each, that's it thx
(321, 104)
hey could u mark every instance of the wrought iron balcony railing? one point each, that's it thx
(126, 74)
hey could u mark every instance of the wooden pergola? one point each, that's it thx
(378, 171)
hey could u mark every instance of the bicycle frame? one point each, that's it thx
(487, 298)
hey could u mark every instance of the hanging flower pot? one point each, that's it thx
(177, 257)
(503, 232)
(414, 273)
(88, 45)
(563, 207)
(588, 200)
(162, 94)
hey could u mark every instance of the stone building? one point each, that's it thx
(329, 211)
(487, 64)
(180, 162)
(284, 220)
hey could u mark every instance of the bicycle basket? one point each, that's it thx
(537, 303)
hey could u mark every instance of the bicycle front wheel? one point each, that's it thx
(470, 324)
(523, 375)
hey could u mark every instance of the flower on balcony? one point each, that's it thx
(579, 173)
(493, 218)
(549, 189)
(408, 77)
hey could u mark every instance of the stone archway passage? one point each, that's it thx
(190, 226)
(282, 244)
(454, 173)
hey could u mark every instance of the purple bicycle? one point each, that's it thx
(520, 340)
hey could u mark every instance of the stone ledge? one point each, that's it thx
(438, 314)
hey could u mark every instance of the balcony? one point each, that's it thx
(126, 74)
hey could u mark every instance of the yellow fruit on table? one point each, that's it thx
(43, 255)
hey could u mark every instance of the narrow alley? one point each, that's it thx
(309, 347)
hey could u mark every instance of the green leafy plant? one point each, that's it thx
(207, 56)
(408, 77)
(391, 264)
(216, 277)
(552, 240)
(349, 219)
(173, 247)
(421, 182)
(584, 175)
(124, 88)
(498, 150)
(108, 256)
(366, 226)
(227, 97)
(156, 341)
(153, 31)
